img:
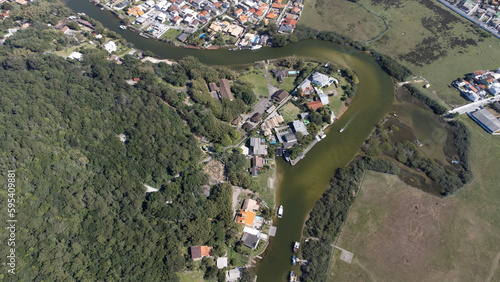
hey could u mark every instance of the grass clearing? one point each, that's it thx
(236, 259)
(287, 84)
(342, 16)
(290, 112)
(266, 193)
(191, 276)
(398, 233)
(171, 34)
(257, 77)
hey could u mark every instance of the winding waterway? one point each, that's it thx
(303, 184)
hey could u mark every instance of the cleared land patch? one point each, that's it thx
(342, 16)
(399, 233)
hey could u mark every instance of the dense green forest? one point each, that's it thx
(81, 203)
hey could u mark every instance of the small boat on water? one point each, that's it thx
(341, 130)
(280, 211)
(256, 47)
(123, 27)
(296, 247)
(293, 277)
(323, 136)
(286, 155)
(294, 260)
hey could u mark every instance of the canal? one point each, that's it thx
(303, 184)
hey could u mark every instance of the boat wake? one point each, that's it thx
(347, 124)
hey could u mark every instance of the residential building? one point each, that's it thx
(256, 117)
(320, 79)
(199, 252)
(299, 126)
(250, 240)
(233, 274)
(289, 140)
(306, 87)
(250, 205)
(225, 90)
(271, 123)
(315, 105)
(258, 148)
(75, 55)
(280, 95)
(245, 217)
(110, 46)
(182, 37)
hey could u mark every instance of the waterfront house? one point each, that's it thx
(110, 46)
(299, 126)
(320, 79)
(250, 240)
(233, 274)
(245, 217)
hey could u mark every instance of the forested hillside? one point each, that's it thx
(82, 210)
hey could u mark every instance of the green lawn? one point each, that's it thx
(257, 77)
(191, 276)
(289, 112)
(236, 259)
(171, 34)
(398, 233)
(341, 16)
(287, 84)
(265, 193)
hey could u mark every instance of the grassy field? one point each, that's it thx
(171, 34)
(191, 276)
(266, 193)
(290, 112)
(257, 77)
(398, 233)
(425, 36)
(345, 17)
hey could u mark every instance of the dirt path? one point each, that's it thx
(494, 267)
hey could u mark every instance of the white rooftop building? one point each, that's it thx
(321, 80)
(110, 46)
(299, 126)
(324, 99)
(75, 55)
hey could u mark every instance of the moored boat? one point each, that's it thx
(255, 47)
(293, 277)
(294, 260)
(123, 27)
(296, 247)
(280, 211)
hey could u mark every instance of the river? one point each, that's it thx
(304, 183)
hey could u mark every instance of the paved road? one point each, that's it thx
(472, 19)
(474, 105)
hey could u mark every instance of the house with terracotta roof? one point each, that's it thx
(238, 12)
(245, 217)
(296, 10)
(199, 252)
(315, 105)
(242, 19)
(271, 15)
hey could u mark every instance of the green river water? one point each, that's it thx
(304, 183)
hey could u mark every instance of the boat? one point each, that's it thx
(280, 211)
(323, 136)
(341, 130)
(293, 277)
(294, 260)
(286, 155)
(123, 27)
(256, 47)
(296, 247)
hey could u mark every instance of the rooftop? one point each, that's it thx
(487, 120)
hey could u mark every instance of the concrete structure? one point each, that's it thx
(221, 263)
(486, 120)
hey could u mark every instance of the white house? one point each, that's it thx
(323, 98)
(110, 46)
(75, 55)
(320, 79)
